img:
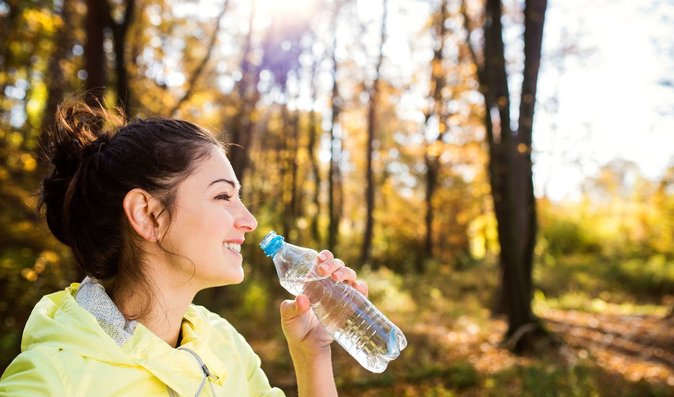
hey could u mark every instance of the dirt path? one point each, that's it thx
(635, 347)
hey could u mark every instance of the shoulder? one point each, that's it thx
(36, 372)
(203, 317)
(215, 327)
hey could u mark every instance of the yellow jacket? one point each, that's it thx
(65, 352)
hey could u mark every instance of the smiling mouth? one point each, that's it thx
(233, 247)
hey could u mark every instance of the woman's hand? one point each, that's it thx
(300, 325)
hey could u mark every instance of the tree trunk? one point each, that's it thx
(287, 158)
(334, 175)
(431, 156)
(55, 78)
(534, 14)
(372, 126)
(94, 54)
(242, 126)
(289, 169)
(313, 162)
(293, 160)
(8, 25)
(119, 31)
(510, 169)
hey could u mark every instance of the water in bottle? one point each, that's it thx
(352, 320)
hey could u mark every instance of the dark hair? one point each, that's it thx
(97, 158)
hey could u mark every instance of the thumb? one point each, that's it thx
(295, 308)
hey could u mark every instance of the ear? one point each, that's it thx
(142, 211)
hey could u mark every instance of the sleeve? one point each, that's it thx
(258, 384)
(32, 373)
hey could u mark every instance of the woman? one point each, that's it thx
(152, 214)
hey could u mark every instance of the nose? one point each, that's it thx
(246, 220)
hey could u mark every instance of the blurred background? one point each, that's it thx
(520, 254)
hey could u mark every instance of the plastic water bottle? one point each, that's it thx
(352, 320)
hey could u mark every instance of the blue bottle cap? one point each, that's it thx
(271, 243)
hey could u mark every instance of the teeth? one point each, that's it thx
(234, 247)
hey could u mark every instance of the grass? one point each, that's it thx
(616, 280)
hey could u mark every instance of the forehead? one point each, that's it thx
(211, 168)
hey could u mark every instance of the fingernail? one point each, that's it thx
(321, 256)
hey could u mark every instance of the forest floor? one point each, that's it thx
(600, 355)
(455, 346)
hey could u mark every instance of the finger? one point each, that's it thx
(330, 266)
(324, 256)
(361, 286)
(296, 307)
(344, 274)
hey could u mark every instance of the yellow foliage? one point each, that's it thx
(29, 274)
(38, 97)
(50, 256)
(29, 163)
(40, 19)
(15, 139)
(471, 68)
(482, 234)
(435, 149)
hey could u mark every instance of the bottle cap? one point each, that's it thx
(271, 243)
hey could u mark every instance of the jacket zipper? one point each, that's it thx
(204, 369)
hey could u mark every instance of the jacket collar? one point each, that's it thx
(179, 369)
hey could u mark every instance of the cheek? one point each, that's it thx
(200, 238)
(218, 222)
(197, 225)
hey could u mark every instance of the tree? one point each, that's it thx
(313, 131)
(435, 110)
(334, 174)
(198, 71)
(119, 34)
(55, 78)
(99, 16)
(241, 128)
(282, 49)
(510, 165)
(94, 53)
(372, 126)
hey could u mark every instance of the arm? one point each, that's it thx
(312, 362)
(308, 342)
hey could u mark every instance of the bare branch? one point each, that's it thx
(202, 65)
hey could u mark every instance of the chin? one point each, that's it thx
(232, 279)
(237, 280)
(221, 280)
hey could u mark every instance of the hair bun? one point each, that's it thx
(77, 127)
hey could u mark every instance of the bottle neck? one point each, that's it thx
(272, 243)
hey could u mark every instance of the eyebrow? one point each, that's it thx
(224, 180)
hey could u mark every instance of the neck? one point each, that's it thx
(161, 310)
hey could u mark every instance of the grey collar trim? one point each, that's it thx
(92, 296)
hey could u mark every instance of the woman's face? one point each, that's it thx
(208, 225)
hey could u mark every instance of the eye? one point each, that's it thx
(223, 196)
